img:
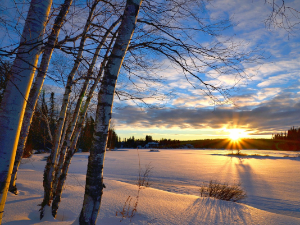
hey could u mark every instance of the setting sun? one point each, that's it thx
(236, 134)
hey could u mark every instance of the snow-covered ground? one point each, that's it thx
(271, 182)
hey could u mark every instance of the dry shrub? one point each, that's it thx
(237, 153)
(223, 191)
(143, 178)
(128, 210)
(259, 155)
(130, 205)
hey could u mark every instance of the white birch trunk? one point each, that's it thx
(46, 119)
(66, 125)
(63, 165)
(17, 90)
(62, 150)
(94, 177)
(36, 89)
(62, 178)
(51, 161)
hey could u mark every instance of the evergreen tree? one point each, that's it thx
(5, 70)
(148, 139)
(112, 141)
(86, 137)
(52, 116)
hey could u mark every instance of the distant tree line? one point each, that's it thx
(142, 143)
(248, 143)
(292, 134)
(85, 140)
(44, 124)
(289, 140)
(168, 143)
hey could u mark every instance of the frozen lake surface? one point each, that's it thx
(271, 182)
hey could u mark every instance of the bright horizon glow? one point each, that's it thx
(236, 134)
(187, 134)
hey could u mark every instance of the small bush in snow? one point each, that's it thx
(130, 205)
(237, 153)
(129, 210)
(223, 191)
(143, 178)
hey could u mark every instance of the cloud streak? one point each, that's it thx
(280, 113)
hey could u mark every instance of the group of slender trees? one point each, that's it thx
(136, 143)
(288, 140)
(85, 140)
(96, 35)
(292, 134)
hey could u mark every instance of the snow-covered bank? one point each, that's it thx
(154, 207)
(268, 184)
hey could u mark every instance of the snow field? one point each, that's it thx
(272, 187)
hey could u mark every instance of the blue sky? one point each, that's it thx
(265, 103)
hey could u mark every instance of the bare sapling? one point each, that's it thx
(144, 174)
(129, 210)
(36, 89)
(130, 207)
(52, 159)
(94, 177)
(71, 127)
(73, 134)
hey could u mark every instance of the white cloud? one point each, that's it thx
(267, 93)
(279, 79)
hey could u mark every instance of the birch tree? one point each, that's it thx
(17, 90)
(163, 29)
(94, 178)
(36, 89)
(72, 137)
(51, 161)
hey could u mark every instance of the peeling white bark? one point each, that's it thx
(65, 127)
(36, 89)
(94, 177)
(51, 161)
(17, 90)
(67, 142)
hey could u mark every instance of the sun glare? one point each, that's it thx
(236, 134)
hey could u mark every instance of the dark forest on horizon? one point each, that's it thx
(45, 120)
(246, 143)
